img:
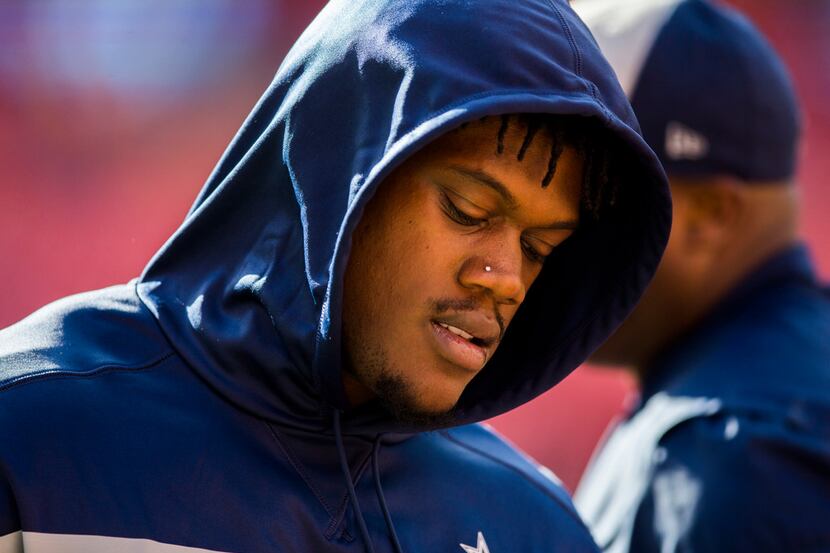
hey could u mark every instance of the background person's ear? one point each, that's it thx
(709, 216)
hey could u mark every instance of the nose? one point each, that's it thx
(498, 273)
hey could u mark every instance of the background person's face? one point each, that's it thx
(663, 309)
(722, 230)
(442, 259)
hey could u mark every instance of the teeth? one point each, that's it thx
(457, 331)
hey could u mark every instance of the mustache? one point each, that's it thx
(443, 305)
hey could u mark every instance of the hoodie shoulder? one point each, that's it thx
(81, 336)
(537, 507)
(484, 441)
(82, 354)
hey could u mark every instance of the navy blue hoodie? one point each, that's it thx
(729, 447)
(202, 404)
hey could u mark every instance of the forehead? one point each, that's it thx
(475, 148)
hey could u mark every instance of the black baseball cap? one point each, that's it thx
(711, 94)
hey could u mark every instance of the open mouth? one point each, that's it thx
(464, 334)
(460, 347)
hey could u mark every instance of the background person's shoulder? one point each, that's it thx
(733, 481)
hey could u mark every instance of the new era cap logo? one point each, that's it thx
(684, 143)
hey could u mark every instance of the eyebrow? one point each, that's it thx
(487, 180)
(490, 182)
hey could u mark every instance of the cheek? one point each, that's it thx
(530, 272)
(670, 289)
(507, 313)
(404, 259)
(678, 266)
(671, 264)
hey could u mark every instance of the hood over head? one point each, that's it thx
(249, 289)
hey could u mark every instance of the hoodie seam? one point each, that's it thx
(569, 35)
(568, 508)
(337, 521)
(194, 369)
(299, 469)
(545, 93)
(56, 374)
(337, 516)
(578, 64)
(167, 338)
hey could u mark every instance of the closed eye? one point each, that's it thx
(458, 216)
(532, 253)
(538, 249)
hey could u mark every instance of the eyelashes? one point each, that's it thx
(532, 253)
(458, 216)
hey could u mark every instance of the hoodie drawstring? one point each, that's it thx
(382, 499)
(344, 466)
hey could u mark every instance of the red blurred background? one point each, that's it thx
(112, 114)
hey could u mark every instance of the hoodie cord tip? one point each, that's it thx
(344, 466)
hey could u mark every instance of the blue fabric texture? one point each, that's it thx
(752, 474)
(197, 405)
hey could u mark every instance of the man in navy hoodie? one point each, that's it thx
(729, 447)
(435, 212)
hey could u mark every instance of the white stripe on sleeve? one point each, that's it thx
(37, 542)
(11, 543)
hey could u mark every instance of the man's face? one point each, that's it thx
(442, 259)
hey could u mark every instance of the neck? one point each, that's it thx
(720, 291)
(356, 392)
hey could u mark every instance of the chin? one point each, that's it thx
(430, 405)
(436, 406)
(439, 394)
(425, 419)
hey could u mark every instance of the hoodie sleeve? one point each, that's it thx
(733, 482)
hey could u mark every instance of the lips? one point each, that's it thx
(466, 339)
(457, 331)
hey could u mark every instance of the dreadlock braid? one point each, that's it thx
(556, 147)
(533, 127)
(505, 122)
(599, 190)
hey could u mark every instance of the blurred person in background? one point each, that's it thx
(435, 212)
(729, 446)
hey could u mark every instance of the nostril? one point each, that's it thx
(501, 280)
